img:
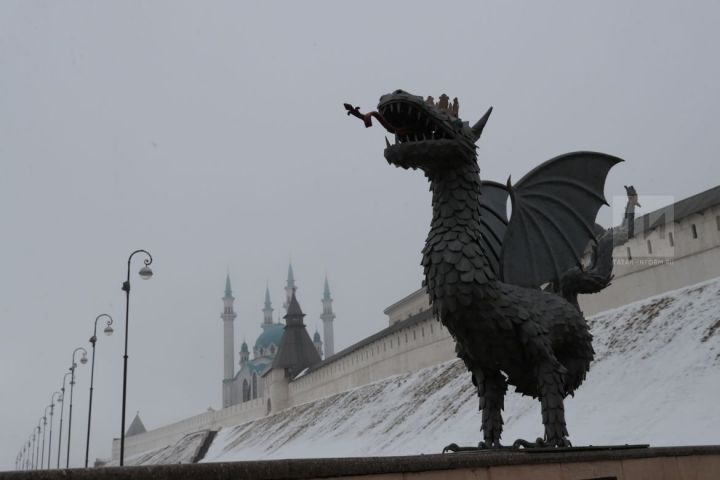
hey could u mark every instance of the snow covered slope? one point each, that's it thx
(656, 379)
(185, 450)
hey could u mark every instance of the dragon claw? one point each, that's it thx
(562, 442)
(454, 447)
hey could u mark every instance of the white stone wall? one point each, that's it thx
(659, 267)
(170, 434)
(407, 350)
(428, 343)
(692, 256)
(415, 303)
(422, 345)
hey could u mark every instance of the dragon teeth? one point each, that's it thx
(387, 142)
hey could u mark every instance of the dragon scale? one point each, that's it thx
(483, 274)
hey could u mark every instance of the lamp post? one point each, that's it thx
(29, 454)
(37, 447)
(52, 411)
(34, 455)
(73, 365)
(42, 455)
(145, 273)
(108, 331)
(62, 407)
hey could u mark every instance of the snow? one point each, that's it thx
(184, 451)
(656, 379)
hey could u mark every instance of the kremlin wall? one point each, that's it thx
(673, 247)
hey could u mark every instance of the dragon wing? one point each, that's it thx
(553, 216)
(493, 221)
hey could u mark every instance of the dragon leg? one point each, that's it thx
(552, 394)
(491, 386)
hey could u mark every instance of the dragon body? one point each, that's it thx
(483, 273)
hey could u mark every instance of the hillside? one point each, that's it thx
(656, 379)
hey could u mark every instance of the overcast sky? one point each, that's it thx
(213, 135)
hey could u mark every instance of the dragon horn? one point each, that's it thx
(478, 127)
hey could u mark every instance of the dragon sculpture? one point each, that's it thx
(505, 289)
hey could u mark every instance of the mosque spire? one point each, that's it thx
(290, 276)
(328, 317)
(326, 290)
(228, 316)
(290, 287)
(228, 287)
(268, 310)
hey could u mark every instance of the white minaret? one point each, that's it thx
(327, 318)
(267, 310)
(289, 287)
(228, 318)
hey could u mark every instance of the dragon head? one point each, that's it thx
(428, 135)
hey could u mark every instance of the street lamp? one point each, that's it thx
(37, 447)
(108, 331)
(52, 410)
(62, 407)
(29, 454)
(44, 420)
(73, 365)
(145, 273)
(32, 450)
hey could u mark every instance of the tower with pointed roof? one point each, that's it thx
(228, 318)
(296, 351)
(267, 310)
(327, 318)
(136, 427)
(290, 287)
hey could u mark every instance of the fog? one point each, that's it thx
(213, 135)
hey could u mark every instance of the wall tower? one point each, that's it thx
(327, 318)
(228, 318)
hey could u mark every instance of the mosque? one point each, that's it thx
(247, 383)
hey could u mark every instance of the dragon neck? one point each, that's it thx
(454, 238)
(456, 200)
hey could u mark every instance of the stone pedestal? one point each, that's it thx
(668, 463)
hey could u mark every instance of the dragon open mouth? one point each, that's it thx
(410, 123)
(428, 135)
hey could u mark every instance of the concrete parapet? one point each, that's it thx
(665, 463)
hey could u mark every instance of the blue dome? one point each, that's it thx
(271, 335)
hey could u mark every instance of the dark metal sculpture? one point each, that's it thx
(484, 273)
(595, 272)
